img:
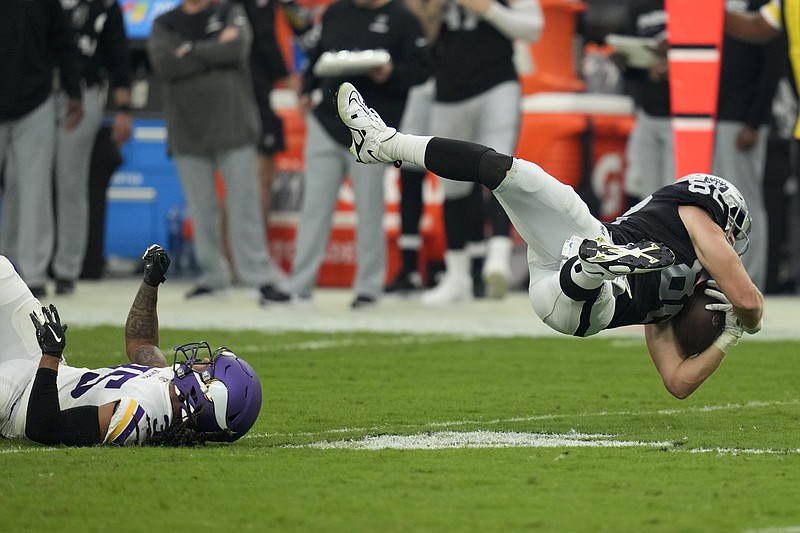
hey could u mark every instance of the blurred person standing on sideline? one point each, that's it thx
(267, 67)
(416, 119)
(477, 98)
(101, 40)
(35, 38)
(749, 76)
(649, 153)
(200, 50)
(346, 26)
(774, 19)
(766, 24)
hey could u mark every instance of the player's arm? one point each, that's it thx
(749, 26)
(681, 376)
(722, 263)
(521, 19)
(141, 326)
(45, 421)
(232, 46)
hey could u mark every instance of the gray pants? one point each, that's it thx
(73, 158)
(491, 118)
(746, 171)
(27, 147)
(650, 155)
(327, 163)
(245, 220)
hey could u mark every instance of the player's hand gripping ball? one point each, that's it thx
(696, 328)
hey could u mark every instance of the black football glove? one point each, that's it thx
(156, 263)
(50, 332)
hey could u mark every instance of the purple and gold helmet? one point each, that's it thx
(220, 393)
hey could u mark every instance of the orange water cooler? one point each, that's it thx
(580, 139)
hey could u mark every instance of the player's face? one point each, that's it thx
(203, 365)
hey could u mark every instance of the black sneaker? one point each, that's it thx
(362, 301)
(205, 293)
(65, 286)
(270, 294)
(403, 283)
(614, 260)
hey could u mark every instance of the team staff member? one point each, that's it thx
(767, 23)
(35, 37)
(267, 67)
(200, 49)
(587, 276)
(100, 37)
(649, 153)
(353, 25)
(477, 98)
(749, 75)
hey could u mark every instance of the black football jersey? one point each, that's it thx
(657, 296)
(99, 33)
(470, 56)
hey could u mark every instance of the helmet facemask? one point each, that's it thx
(219, 393)
(737, 228)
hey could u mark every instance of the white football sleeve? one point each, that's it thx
(523, 20)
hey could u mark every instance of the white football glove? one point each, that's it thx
(732, 331)
(717, 294)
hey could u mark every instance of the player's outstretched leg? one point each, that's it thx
(367, 128)
(375, 142)
(613, 260)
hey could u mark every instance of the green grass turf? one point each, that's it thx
(330, 387)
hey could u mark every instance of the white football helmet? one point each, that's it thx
(737, 228)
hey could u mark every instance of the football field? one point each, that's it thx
(470, 418)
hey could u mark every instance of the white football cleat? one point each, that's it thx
(614, 260)
(366, 126)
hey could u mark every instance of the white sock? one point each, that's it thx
(585, 279)
(408, 148)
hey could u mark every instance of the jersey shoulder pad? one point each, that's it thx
(700, 193)
(129, 424)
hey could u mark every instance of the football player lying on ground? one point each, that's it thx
(203, 396)
(585, 275)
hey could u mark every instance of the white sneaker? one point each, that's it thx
(454, 287)
(366, 126)
(497, 268)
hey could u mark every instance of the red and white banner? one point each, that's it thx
(694, 30)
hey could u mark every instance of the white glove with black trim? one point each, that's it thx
(732, 331)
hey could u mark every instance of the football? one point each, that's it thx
(695, 327)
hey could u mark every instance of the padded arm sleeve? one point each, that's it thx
(46, 423)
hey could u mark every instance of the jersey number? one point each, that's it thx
(459, 19)
(701, 187)
(113, 379)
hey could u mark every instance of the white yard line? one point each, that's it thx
(480, 439)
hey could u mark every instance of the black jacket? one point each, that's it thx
(391, 27)
(35, 37)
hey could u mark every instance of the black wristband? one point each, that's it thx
(124, 108)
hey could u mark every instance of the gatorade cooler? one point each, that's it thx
(580, 139)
